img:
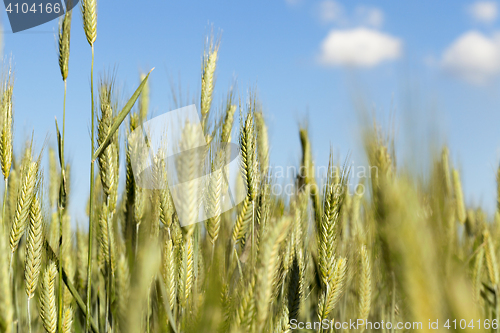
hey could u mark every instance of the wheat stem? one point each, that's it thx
(61, 210)
(91, 205)
(4, 200)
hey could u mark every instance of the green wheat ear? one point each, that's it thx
(6, 129)
(491, 260)
(365, 291)
(67, 325)
(89, 13)
(210, 58)
(459, 197)
(106, 160)
(64, 40)
(33, 248)
(24, 201)
(48, 311)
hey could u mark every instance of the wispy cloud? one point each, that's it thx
(292, 2)
(332, 12)
(360, 47)
(369, 16)
(484, 11)
(473, 57)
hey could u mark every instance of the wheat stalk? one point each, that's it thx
(6, 308)
(297, 285)
(89, 13)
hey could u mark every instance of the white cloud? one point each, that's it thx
(331, 11)
(484, 11)
(359, 47)
(473, 57)
(370, 16)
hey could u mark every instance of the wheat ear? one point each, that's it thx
(122, 287)
(63, 43)
(6, 138)
(34, 244)
(67, 320)
(24, 200)
(477, 274)
(168, 270)
(365, 285)
(215, 195)
(262, 142)
(48, 311)
(227, 126)
(445, 164)
(491, 260)
(329, 299)
(107, 158)
(207, 81)
(89, 13)
(187, 271)
(266, 271)
(459, 197)
(6, 134)
(245, 311)
(188, 167)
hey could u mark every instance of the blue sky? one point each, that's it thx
(432, 65)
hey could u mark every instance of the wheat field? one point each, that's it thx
(407, 254)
